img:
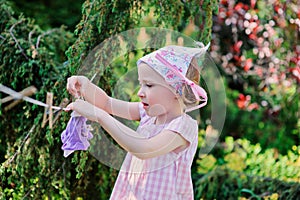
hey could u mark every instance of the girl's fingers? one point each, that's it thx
(71, 86)
(69, 107)
(77, 103)
(83, 108)
(76, 85)
(66, 109)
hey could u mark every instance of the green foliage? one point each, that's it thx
(206, 20)
(241, 169)
(49, 14)
(254, 46)
(224, 183)
(264, 125)
(32, 162)
(31, 56)
(269, 163)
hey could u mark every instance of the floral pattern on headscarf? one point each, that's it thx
(172, 63)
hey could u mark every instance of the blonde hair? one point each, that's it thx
(193, 74)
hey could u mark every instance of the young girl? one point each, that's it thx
(161, 150)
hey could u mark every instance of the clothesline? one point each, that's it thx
(23, 95)
(17, 95)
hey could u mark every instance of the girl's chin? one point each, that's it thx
(155, 110)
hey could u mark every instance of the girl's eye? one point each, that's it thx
(149, 85)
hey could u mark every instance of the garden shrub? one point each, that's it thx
(256, 45)
(50, 14)
(242, 169)
(223, 183)
(33, 165)
(261, 84)
(31, 162)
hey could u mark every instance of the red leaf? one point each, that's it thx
(276, 8)
(252, 106)
(253, 2)
(229, 13)
(242, 97)
(237, 46)
(246, 7)
(237, 58)
(248, 64)
(252, 36)
(241, 101)
(224, 2)
(238, 6)
(296, 73)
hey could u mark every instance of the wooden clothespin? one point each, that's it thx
(26, 92)
(62, 104)
(48, 110)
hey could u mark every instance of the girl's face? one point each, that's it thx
(158, 98)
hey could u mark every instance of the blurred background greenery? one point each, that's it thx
(50, 14)
(255, 45)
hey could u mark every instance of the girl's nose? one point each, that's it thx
(141, 93)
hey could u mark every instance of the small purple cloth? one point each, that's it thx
(76, 135)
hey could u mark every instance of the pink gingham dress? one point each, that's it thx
(166, 177)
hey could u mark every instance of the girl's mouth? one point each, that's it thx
(145, 105)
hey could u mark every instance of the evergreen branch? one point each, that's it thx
(42, 35)
(21, 145)
(15, 39)
(27, 194)
(30, 36)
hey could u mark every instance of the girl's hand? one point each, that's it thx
(77, 85)
(85, 109)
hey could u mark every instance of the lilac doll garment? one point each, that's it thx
(76, 136)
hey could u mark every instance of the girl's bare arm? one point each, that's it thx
(130, 140)
(81, 86)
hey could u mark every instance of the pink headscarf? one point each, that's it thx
(172, 63)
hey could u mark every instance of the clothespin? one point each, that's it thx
(48, 109)
(26, 92)
(62, 104)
